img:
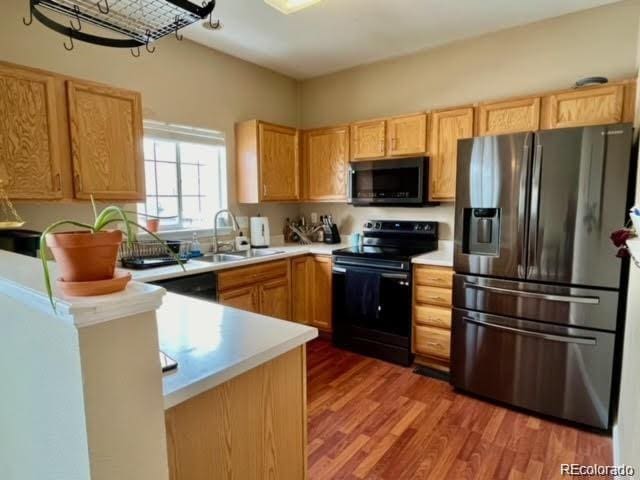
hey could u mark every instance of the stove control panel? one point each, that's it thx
(401, 227)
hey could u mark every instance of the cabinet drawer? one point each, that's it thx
(239, 277)
(433, 295)
(436, 277)
(433, 316)
(431, 341)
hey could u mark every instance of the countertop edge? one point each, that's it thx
(442, 257)
(204, 384)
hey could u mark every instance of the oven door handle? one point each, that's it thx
(371, 265)
(540, 296)
(398, 276)
(528, 333)
(339, 270)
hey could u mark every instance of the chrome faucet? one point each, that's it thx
(228, 244)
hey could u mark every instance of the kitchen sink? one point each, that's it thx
(220, 257)
(233, 256)
(258, 252)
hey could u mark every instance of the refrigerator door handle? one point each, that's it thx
(529, 333)
(535, 208)
(523, 205)
(541, 296)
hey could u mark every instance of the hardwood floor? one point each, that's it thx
(373, 420)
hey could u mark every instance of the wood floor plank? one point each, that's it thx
(373, 420)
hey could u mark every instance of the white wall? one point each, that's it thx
(42, 416)
(626, 430)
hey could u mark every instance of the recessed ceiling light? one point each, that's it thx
(290, 6)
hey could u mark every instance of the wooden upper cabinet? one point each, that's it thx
(368, 139)
(279, 162)
(447, 127)
(31, 149)
(326, 160)
(520, 115)
(585, 106)
(267, 162)
(407, 135)
(106, 142)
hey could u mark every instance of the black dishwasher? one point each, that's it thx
(201, 285)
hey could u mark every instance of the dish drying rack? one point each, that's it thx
(139, 255)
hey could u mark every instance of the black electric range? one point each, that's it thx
(372, 288)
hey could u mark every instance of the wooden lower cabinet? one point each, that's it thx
(252, 427)
(242, 298)
(432, 301)
(274, 298)
(311, 287)
(301, 280)
(263, 288)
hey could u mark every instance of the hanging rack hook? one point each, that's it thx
(76, 11)
(106, 7)
(30, 21)
(149, 48)
(136, 55)
(179, 36)
(69, 48)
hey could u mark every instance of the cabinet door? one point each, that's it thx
(585, 106)
(274, 298)
(30, 149)
(447, 127)
(407, 135)
(512, 116)
(106, 142)
(242, 298)
(301, 281)
(279, 163)
(368, 140)
(321, 305)
(326, 163)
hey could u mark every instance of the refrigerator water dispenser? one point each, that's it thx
(481, 231)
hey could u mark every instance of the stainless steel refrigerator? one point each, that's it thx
(538, 287)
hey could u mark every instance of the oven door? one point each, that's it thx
(555, 370)
(388, 182)
(372, 311)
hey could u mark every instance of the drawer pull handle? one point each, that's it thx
(536, 295)
(529, 333)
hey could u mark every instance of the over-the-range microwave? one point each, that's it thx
(395, 182)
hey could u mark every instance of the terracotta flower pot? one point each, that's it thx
(153, 224)
(85, 256)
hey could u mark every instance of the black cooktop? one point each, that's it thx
(394, 240)
(384, 252)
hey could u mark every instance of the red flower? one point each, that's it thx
(620, 237)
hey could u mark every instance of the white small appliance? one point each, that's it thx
(259, 232)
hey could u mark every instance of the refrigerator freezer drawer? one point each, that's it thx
(557, 371)
(580, 307)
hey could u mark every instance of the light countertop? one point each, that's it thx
(213, 344)
(441, 257)
(194, 266)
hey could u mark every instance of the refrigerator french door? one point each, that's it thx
(537, 285)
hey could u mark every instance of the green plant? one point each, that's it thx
(107, 216)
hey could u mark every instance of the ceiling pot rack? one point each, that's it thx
(138, 22)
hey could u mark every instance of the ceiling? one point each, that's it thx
(337, 34)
